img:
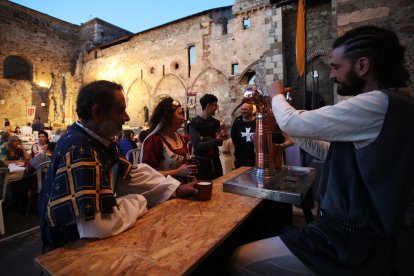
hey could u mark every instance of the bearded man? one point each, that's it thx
(242, 133)
(368, 174)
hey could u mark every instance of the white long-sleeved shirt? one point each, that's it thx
(146, 186)
(358, 119)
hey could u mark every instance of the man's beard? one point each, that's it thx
(353, 85)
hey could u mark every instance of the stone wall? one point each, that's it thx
(48, 44)
(326, 20)
(319, 37)
(396, 15)
(154, 63)
(52, 48)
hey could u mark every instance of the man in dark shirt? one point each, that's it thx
(205, 138)
(38, 125)
(242, 133)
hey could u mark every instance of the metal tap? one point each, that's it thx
(268, 155)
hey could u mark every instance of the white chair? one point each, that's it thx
(135, 155)
(42, 168)
(3, 171)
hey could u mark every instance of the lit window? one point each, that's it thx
(234, 68)
(192, 54)
(191, 58)
(246, 23)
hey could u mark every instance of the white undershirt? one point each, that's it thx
(358, 119)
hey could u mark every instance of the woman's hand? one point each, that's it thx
(187, 170)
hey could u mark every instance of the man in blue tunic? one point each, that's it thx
(78, 195)
(367, 180)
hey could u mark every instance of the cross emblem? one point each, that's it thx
(247, 134)
(81, 150)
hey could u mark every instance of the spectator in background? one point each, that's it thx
(38, 125)
(7, 127)
(127, 143)
(40, 158)
(141, 137)
(27, 129)
(14, 151)
(17, 130)
(4, 137)
(57, 135)
(206, 137)
(242, 133)
(41, 145)
(226, 155)
(29, 178)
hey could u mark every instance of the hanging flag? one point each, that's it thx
(300, 39)
(30, 113)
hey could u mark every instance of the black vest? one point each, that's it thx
(365, 196)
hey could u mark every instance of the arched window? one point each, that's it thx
(17, 68)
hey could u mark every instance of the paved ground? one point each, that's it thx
(17, 249)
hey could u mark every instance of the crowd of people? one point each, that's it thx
(14, 152)
(366, 183)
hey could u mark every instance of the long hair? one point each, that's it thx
(382, 48)
(162, 115)
(163, 112)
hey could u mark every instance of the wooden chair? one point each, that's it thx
(3, 171)
(39, 176)
(135, 155)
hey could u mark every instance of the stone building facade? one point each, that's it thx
(39, 62)
(218, 51)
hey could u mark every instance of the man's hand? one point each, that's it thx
(277, 88)
(186, 190)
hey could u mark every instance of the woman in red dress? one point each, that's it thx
(164, 148)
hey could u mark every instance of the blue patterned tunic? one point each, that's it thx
(78, 182)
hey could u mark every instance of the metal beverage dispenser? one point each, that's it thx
(268, 155)
(269, 179)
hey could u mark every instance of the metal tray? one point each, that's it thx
(289, 185)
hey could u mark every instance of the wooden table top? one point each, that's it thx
(170, 239)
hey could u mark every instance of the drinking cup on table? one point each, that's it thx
(205, 188)
(194, 170)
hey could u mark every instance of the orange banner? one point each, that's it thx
(300, 39)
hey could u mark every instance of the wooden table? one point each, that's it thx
(171, 239)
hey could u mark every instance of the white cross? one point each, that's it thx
(247, 134)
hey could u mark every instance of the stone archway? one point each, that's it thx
(137, 97)
(173, 86)
(318, 81)
(212, 81)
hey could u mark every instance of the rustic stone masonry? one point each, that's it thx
(252, 41)
(51, 48)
